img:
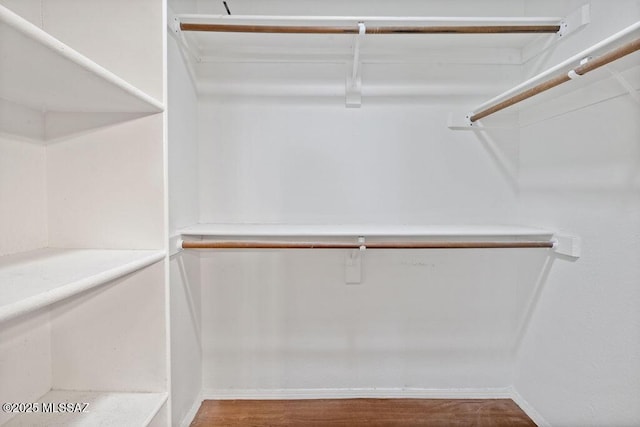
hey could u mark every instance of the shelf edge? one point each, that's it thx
(41, 36)
(44, 299)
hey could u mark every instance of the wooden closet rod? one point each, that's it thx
(583, 69)
(448, 29)
(240, 244)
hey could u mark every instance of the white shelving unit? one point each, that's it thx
(82, 294)
(104, 409)
(35, 279)
(42, 75)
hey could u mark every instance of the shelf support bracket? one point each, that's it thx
(625, 84)
(353, 90)
(575, 20)
(353, 264)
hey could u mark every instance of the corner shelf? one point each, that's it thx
(35, 279)
(41, 75)
(104, 409)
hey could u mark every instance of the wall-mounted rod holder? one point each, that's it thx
(353, 90)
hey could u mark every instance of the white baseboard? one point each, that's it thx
(354, 393)
(528, 409)
(188, 418)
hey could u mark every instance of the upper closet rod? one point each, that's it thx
(432, 29)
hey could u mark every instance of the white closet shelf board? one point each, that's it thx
(39, 72)
(103, 409)
(257, 47)
(497, 232)
(35, 279)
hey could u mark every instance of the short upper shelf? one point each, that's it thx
(40, 74)
(103, 409)
(35, 279)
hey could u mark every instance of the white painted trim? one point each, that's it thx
(354, 393)
(189, 417)
(528, 409)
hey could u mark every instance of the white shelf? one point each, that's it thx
(104, 409)
(496, 232)
(35, 279)
(42, 74)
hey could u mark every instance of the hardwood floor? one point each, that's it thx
(362, 412)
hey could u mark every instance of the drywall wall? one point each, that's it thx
(186, 351)
(23, 219)
(113, 337)
(183, 147)
(285, 322)
(25, 359)
(104, 187)
(296, 162)
(578, 362)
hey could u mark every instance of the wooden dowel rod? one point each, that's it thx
(544, 86)
(215, 244)
(287, 29)
(608, 57)
(605, 59)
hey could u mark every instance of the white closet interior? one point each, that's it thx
(489, 258)
(271, 139)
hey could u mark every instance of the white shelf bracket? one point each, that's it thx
(567, 245)
(353, 92)
(575, 20)
(625, 84)
(570, 24)
(353, 264)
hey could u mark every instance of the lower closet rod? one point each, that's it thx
(583, 69)
(239, 244)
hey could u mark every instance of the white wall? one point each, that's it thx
(295, 162)
(186, 351)
(105, 187)
(112, 338)
(420, 320)
(579, 360)
(285, 321)
(23, 217)
(25, 359)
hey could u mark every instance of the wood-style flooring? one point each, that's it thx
(362, 412)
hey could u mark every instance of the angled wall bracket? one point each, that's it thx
(353, 264)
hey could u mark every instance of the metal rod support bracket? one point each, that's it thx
(353, 264)
(567, 245)
(353, 90)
